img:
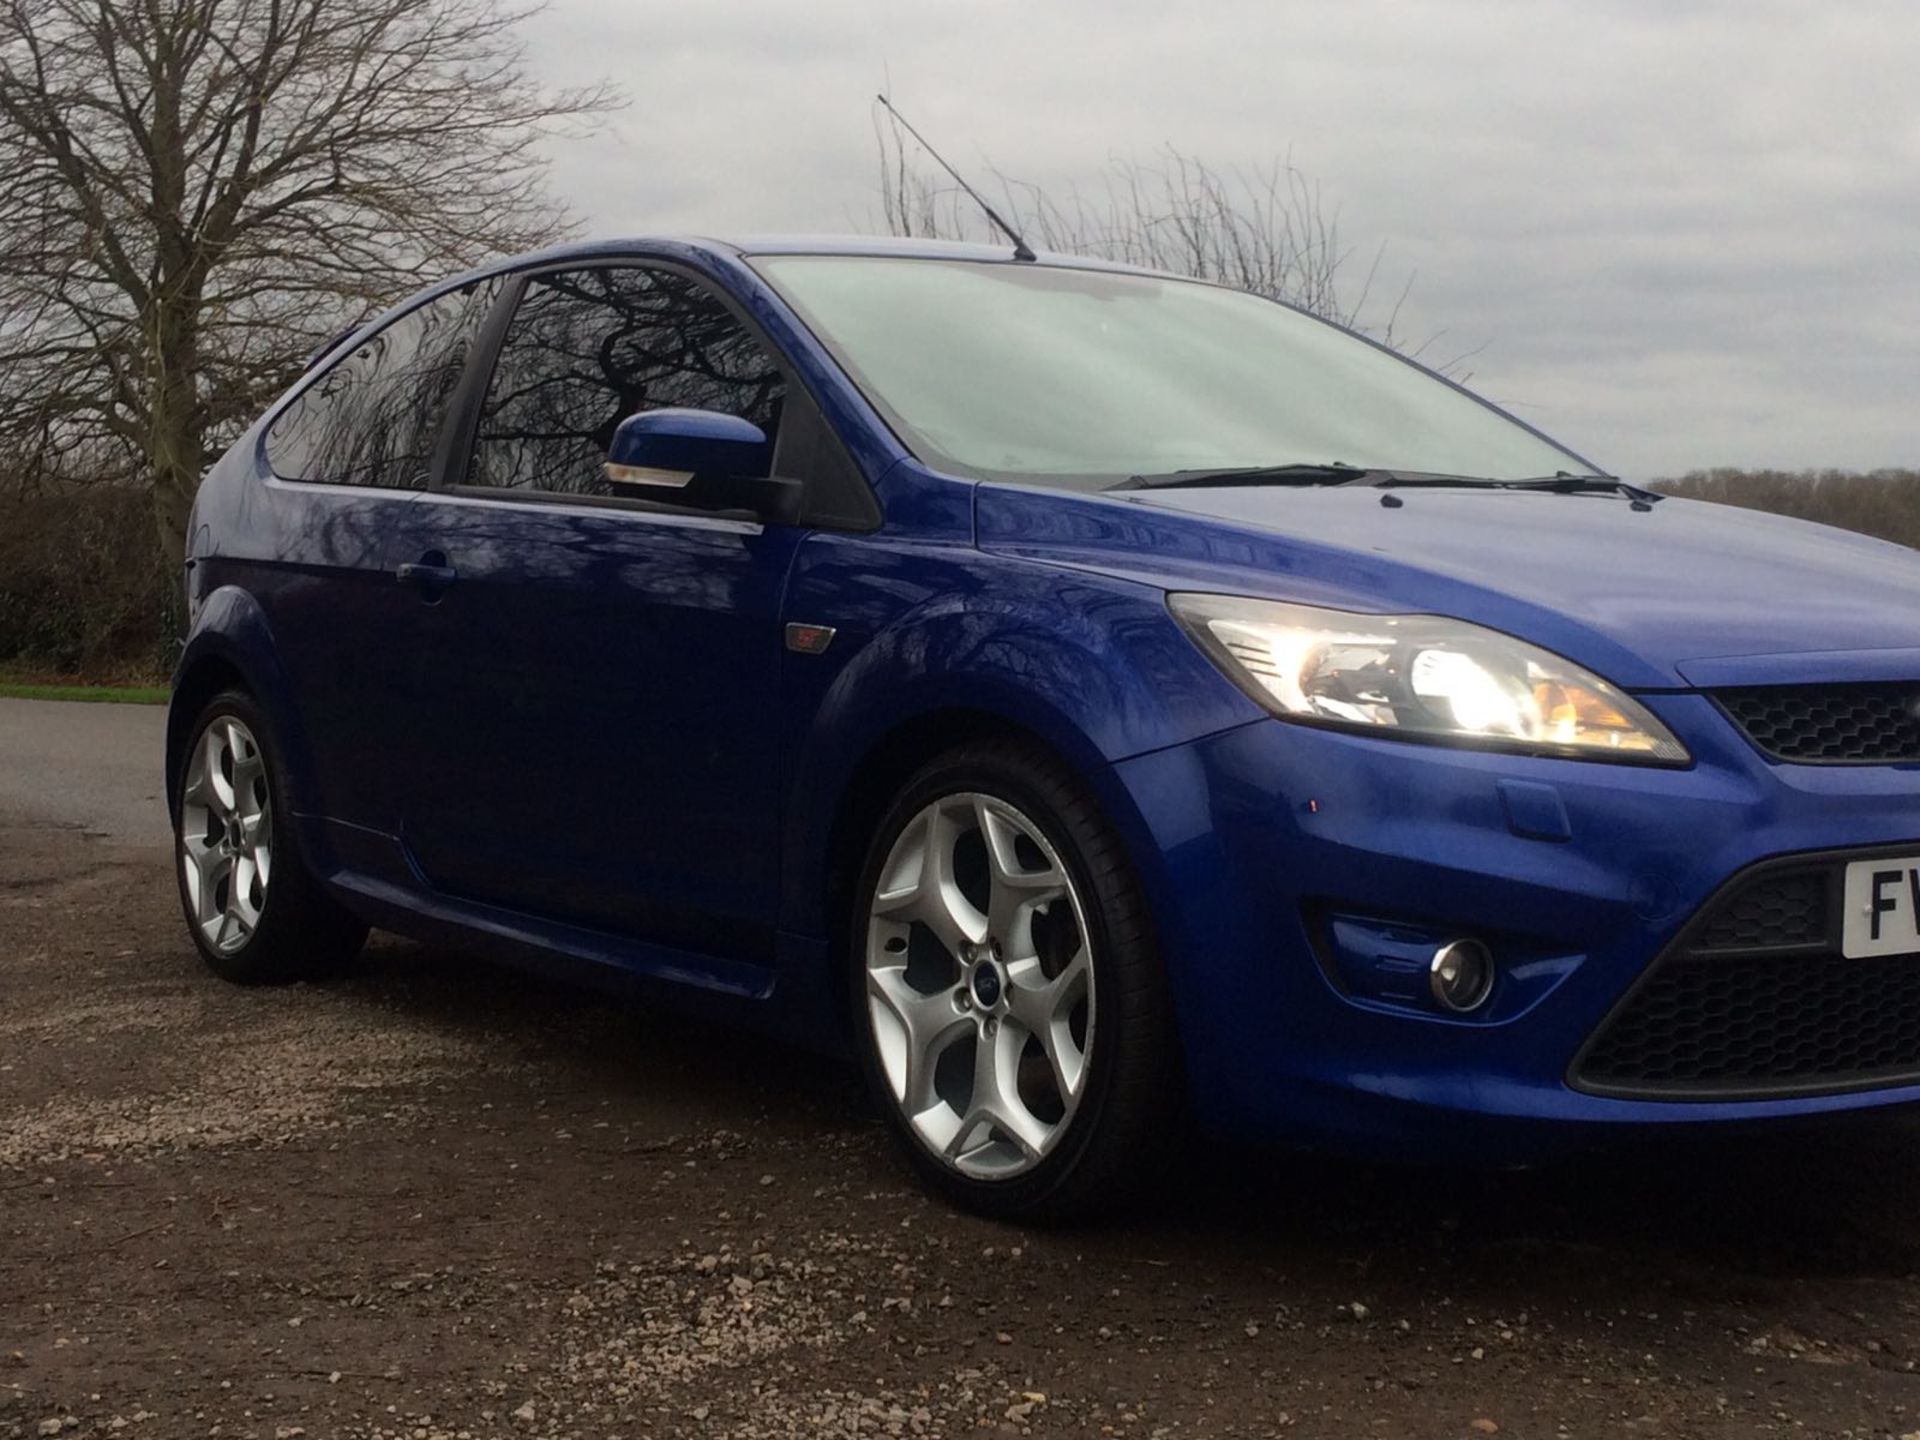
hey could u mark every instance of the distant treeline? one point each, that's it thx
(1885, 503)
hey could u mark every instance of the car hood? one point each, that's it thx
(1679, 594)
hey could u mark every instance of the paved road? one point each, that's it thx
(95, 768)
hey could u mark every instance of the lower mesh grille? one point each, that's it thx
(1768, 912)
(1771, 1023)
(1755, 999)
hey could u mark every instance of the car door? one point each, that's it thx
(346, 457)
(601, 674)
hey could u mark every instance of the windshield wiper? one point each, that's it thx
(1563, 483)
(1336, 472)
(1332, 472)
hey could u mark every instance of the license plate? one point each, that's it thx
(1883, 908)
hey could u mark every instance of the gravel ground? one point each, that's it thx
(437, 1199)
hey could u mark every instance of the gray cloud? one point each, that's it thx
(1685, 234)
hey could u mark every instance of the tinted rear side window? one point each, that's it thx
(588, 348)
(375, 416)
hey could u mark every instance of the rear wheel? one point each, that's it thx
(1010, 1005)
(255, 914)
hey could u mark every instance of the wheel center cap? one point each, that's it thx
(987, 984)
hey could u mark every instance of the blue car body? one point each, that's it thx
(1295, 873)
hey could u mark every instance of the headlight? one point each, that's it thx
(1421, 677)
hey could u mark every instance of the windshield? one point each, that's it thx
(1084, 378)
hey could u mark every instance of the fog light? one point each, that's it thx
(1461, 975)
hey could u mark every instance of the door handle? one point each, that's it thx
(425, 575)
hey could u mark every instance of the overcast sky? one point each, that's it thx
(1685, 234)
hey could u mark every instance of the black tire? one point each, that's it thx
(1113, 1141)
(302, 933)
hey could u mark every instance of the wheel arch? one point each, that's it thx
(832, 871)
(231, 647)
(823, 867)
(887, 765)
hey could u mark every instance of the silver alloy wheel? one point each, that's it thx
(980, 986)
(226, 834)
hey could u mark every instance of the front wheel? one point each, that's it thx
(1012, 1013)
(255, 914)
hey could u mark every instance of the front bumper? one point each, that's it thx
(1577, 873)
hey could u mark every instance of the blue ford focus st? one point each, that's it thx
(1100, 701)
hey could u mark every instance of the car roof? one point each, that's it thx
(876, 246)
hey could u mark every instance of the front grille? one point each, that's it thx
(1754, 999)
(1830, 724)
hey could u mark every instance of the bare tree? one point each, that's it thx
(194, 194)
(1267, 230)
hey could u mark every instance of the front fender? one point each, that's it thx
(1096, 668)
(231, 642)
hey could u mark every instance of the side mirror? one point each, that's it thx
(701, 458)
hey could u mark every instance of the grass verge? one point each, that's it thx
(11, 689)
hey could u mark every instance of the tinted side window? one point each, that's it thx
(588, 348)
(373, 418)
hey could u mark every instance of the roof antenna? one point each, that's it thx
(1020, 248)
